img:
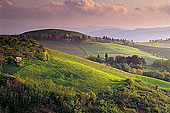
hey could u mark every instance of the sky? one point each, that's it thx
(127, 14)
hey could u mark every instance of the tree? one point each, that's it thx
(45, 55)
(126, 67)
(106, 56)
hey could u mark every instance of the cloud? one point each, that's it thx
(9, 10)
(88, 7)
(150, 9)
(137, 9)
(66, 9)
(165, 8)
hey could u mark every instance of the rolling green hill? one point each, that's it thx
(97, 48)
(149, 51)
(67, 83)
(84, 75)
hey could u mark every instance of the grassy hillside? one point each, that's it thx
(82, 74)
(107, 69)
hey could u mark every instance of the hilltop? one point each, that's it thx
(55, 34)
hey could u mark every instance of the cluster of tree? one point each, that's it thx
(135, 69)
(161, 70)
(134, 60)
(132, 64)
(157, 74)
(13, 50)
(17, 96)
(110, 39)
(162, 65)
(96, 59)
(56, 36)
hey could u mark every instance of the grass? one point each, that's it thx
(69, 73)
(112, 71)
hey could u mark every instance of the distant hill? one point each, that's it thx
(140, 34)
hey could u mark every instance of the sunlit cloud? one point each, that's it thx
(10, 11)
(87, 7)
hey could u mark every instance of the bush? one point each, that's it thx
(155, 74)
(139, 72)
(134, 71)
(126, 67)
(11, 60)
(96, 59)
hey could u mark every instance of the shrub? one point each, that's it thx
(126, 67)
(134, 71)
(11, 60)
(139, 72)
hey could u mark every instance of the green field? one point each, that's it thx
(107, 69)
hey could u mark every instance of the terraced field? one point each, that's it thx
(70, 48)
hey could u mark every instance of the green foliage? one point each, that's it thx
(155, 74)
(96, 59)
(125, 67)
(19, 47)
(139, 72)
(11, 60)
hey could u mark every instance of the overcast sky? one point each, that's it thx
(82, 13)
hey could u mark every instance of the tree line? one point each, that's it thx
(57, 37)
